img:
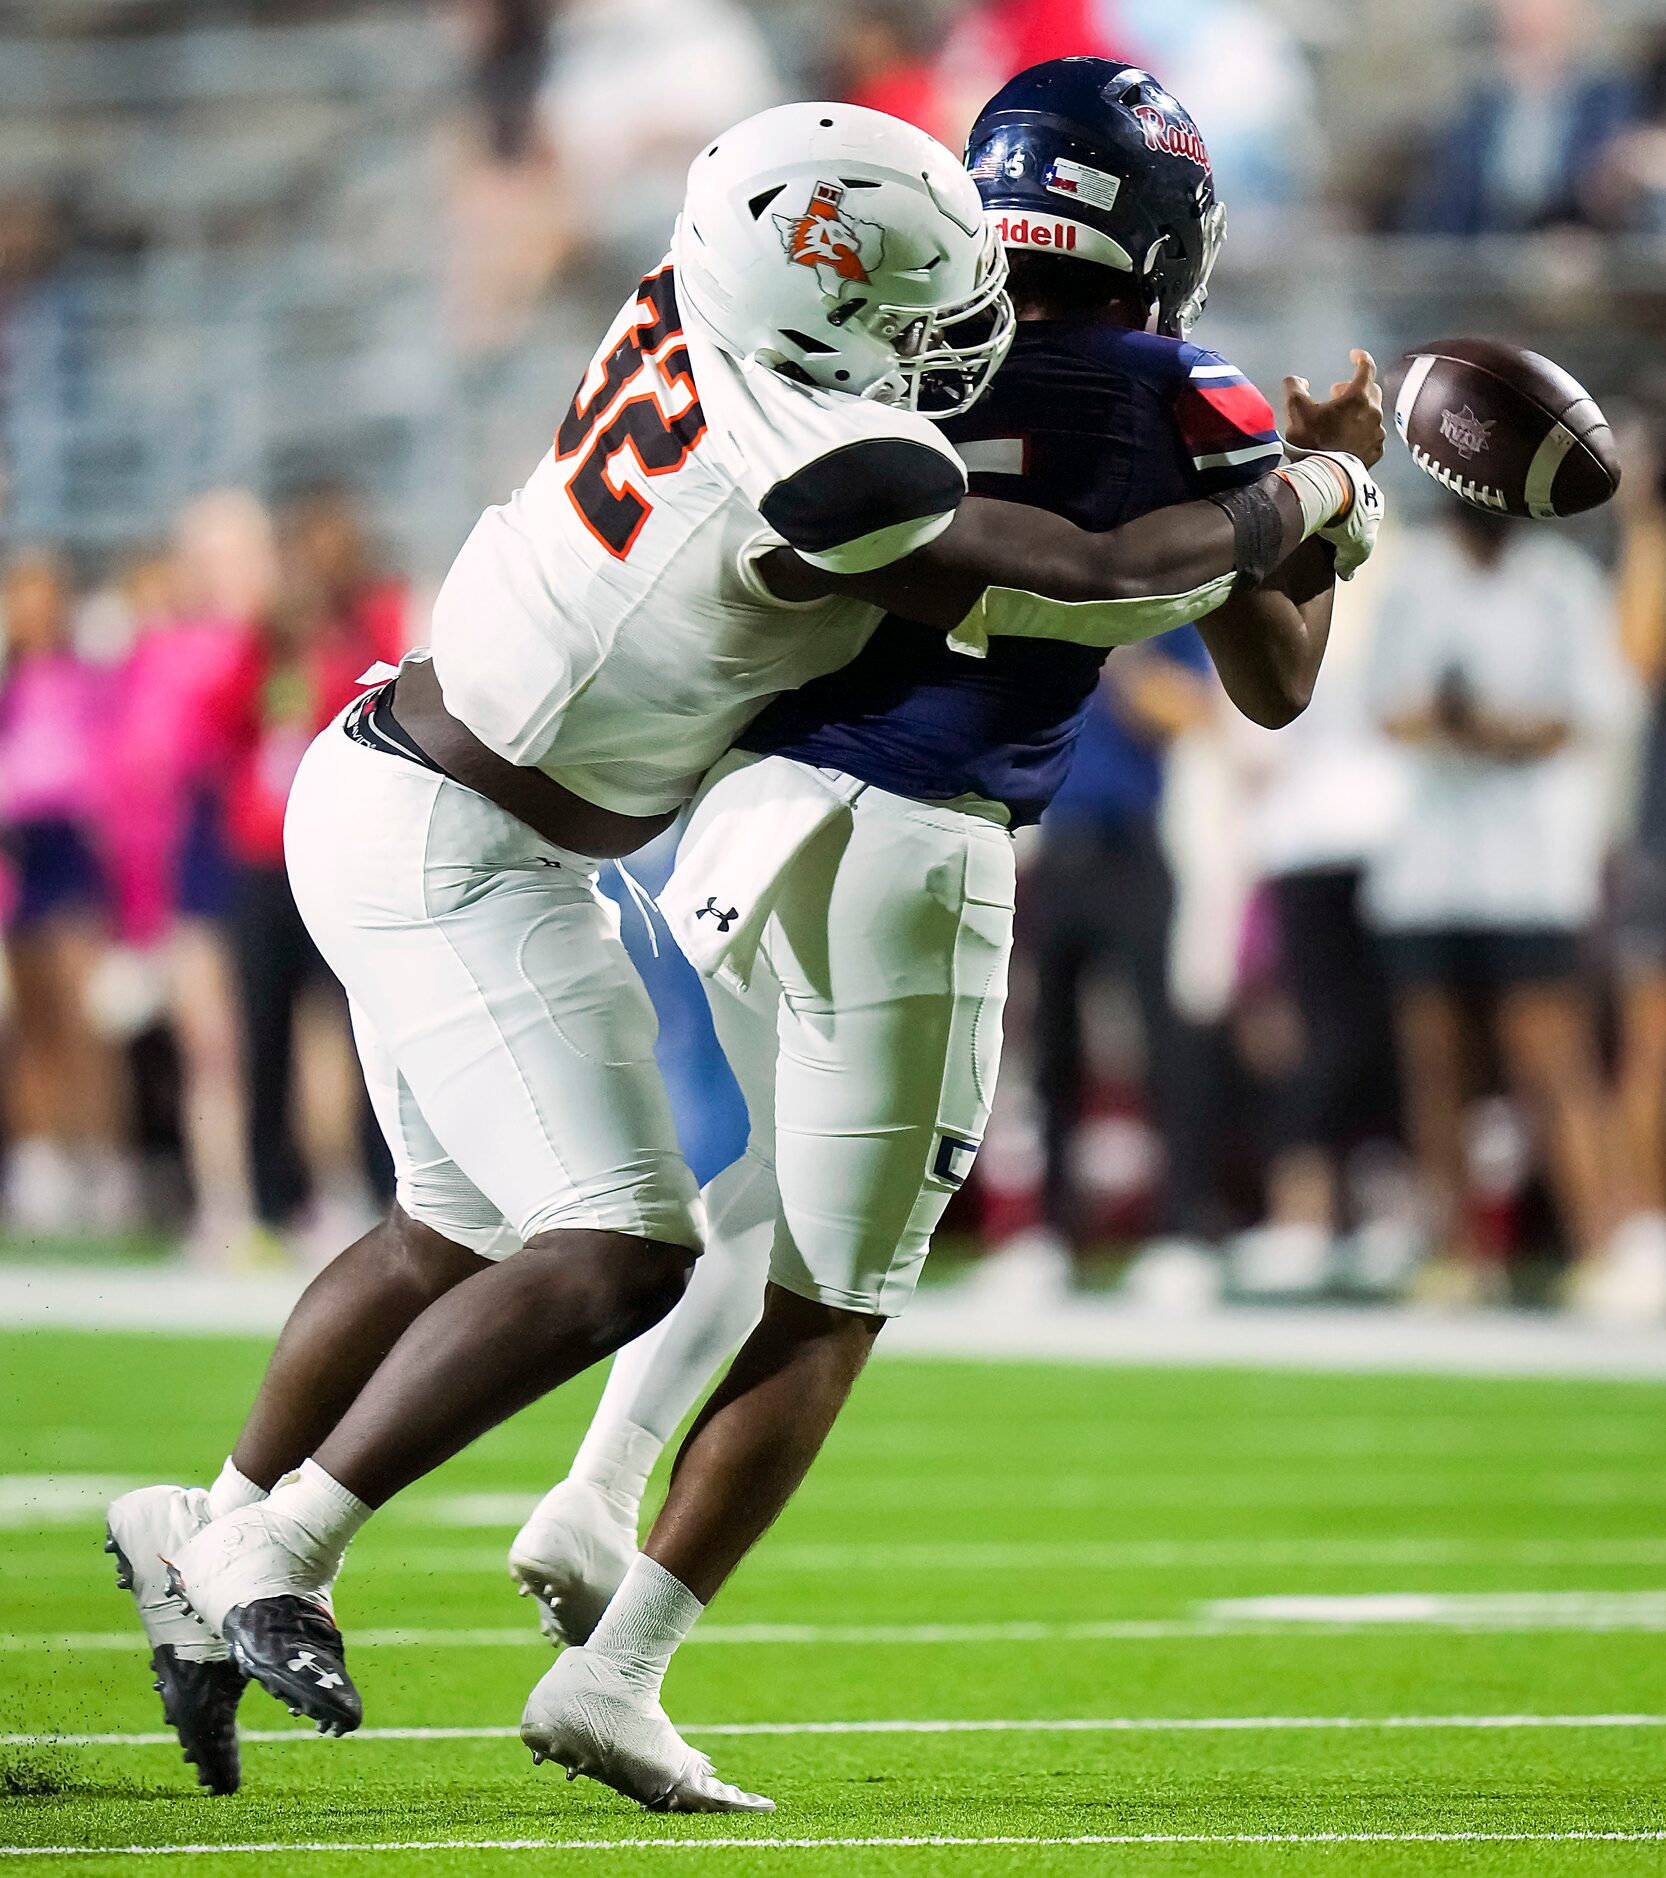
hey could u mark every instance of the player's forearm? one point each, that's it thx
(1170, 551)
(1268, 643)
(1012, 547)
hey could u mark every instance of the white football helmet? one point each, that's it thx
(846, 249)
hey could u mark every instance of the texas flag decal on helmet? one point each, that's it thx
(840, 248)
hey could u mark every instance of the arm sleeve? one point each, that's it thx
(849, 484)
(1226, 425)
(865, 504)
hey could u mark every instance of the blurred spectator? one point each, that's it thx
(1524, 144)
(634, 88)
(1243, 77)
(1629, 189)
(508, 230)
(878, 58)
(168, 749)
(66, 1171)
(1097, 900)
(1636, 1277)
(993, 39)
(333, 617)
(1326, 791)
(1230, 62)
(507, 43)
(1495, 666)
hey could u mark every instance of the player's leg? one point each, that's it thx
(579, 1542)
(581, 1538)
(344, 1323)
(1433, 1040)
(890, 939)
(493, 975)
(1547, 1036)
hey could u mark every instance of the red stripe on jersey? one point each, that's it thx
(1221, 415)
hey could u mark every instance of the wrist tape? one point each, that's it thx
(1322, 487)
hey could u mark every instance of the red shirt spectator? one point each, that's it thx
(276, 701)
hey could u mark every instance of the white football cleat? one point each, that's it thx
(191, 1667)
(1032, 1271)
(1288, 1260)
(572, 1555)
(1173, 1277)
(255, 1577)
(587, 1718)
(1626, 1284)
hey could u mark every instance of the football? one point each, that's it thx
(1505, 429)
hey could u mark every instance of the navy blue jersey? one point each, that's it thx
(1100, 425)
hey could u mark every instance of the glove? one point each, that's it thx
(1328, 480)
(1355, 535)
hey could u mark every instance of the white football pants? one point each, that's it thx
(507, 1041)
(866, 1042)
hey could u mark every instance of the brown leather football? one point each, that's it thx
(1505, 429)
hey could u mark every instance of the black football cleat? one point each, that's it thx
(200, 1702)
(291, 1647)
(191, 1669)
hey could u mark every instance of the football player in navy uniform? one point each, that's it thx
(749, 476)
(845, 883)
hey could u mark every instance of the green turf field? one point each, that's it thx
(997, 1545)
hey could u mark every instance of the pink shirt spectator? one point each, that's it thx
(51, 707)
(164, 745)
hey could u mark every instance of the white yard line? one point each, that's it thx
(378, 1551)
(1054, 1555)
(1643, 1486)
(774, 1844)
(1461, 1610)
(1073, 1725)
(1279, 1616)
(35, 1502)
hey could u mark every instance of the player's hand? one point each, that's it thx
(1351, 419)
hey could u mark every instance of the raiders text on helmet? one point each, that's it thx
(1089, 158)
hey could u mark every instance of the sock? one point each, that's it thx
(650, 1615)
(616, 1458)
(657, 1379)
(231, 1489)
(323, 1508)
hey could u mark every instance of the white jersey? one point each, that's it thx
(608, 623)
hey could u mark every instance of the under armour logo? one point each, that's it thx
(325, 1678)
(723, 919)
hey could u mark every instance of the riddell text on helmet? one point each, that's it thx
(1021, 231)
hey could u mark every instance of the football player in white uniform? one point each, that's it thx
(845, 886)
(747, 478)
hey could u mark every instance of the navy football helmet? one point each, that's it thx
(1096, 161)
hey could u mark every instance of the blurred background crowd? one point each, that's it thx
(1373, 1006)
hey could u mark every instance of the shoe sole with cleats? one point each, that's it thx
(291, 1647)
(199, 1700)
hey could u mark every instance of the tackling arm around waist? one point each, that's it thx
(547, 808)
